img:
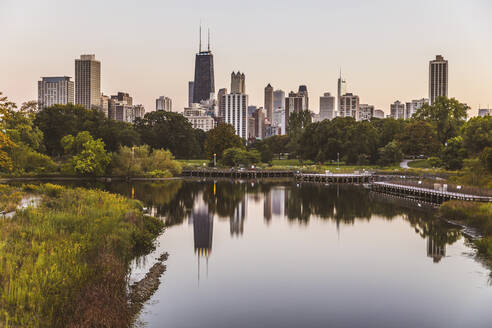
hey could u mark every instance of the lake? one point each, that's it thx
(278, 254)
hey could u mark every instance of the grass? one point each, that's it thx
(474, 214)
(420, 164)
(65, 263)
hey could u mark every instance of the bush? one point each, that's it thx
(434, 161)
(390, 154)
(27, 160)
(238, 156)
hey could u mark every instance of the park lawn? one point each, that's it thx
(193, 162)
(420, 164)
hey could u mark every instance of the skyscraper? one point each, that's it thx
(341, 90)
(294, 103)
(164, 103)
(304, 93)
(87, 81)
(220, 97)
(279, 99)
(238, 82)
(366, 112)
(397, 110)
(349, 106)
(326, 106)
(269, 102)
(259, 116)
(203, 84)
(235, 109)
(413, 106)
(190, 93)
(438, 78)
(55, 90)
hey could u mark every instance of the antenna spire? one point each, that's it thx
(209, 40)
(200, 46)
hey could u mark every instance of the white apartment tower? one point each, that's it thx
(438, 78)
(87, 81)
(397, 110)
(235, 109)
(366, 112)
(57, 90)
(349, 106)
(413, 106)
(164, 103)
(326, 107)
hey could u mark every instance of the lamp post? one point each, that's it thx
(338, 161)
(215, 159)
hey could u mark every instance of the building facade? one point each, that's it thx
(278, 99)
(269, 102)
(104, 104)
(238, 82)
(378, 113)
(366, 112)
(121, 107)
(303, 92)
(411, 107)
(326, 106)
(164, 103)
(197, 116)
(349, 106)
(397, 110)
(341, 90)
(294, 103)
(190, 92)
(482, 112)
(259, 117)
(58, 90)
(279, 120)
(87, 81)
(438, 78)
(204, 82)
(235, 108)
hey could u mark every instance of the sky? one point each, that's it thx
(147, 47)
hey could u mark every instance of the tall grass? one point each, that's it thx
(64, 264)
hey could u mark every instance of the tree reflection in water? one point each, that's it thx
(175, 200)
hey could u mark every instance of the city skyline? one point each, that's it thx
(395, 69)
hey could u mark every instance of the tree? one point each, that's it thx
(390, 154)
(239, 156)
(278, 144)
(453, 154)
(477, 134)
(221, 138)
(389, 129)
(167, 130)
(88, 156)
(419, 137)
(264, 149)
(486, 158)
(297, 121)
(447, 115)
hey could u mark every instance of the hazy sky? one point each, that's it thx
(147, 48)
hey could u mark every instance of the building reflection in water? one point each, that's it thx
(203, 227)
(236, 221)
(267, 206)
(435, 249)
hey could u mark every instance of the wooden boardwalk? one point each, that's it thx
(335, 178)
(425, 194)
(238, 174)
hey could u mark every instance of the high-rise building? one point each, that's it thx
(204, 83)
(104, 104)
(304, 93)
(121, 107)
(366, 112)
(220, 95)
(190, 92)
(55, 91)
(259, 116)
(482, 112)
(164, 103)
(294, 103)
(378, 113)
(397, 110)
(235, 108)
(326, 106)
(412, 107)
(438, 78)
(269, 102)
(278, 99)
(138, 111)
(251, 128)
(341, 90)
(87, 81)
(251, 110)
(349, 106)
(279, 120)
(238, 82)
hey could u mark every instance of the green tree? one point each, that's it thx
(419, 137)
(264, 149)
(221, 138)
(167, 130)
(453, 154)
(486, 158)
(477, 134)
(88, 156)
(296, 123)
(390, 154)
(278, 144)
(389, 129)
(239, 156)
(447, 115)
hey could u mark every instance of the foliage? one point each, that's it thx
(420, 164)
(240, 156)
(88, 156)
(264, 149)
(297, 121)
(60, 120)
(486, 158)
(419, 138)
(435, 161)
(475, 214)
(477, 134)
(26, 160)
(65, 262)
(389, 129)
(391, 153)
(448, 115)
(221, 138)
(453, 154)
(474, 173)
(141, 160)
(278, 144)
(167, 130)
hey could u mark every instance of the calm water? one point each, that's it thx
(280, 255)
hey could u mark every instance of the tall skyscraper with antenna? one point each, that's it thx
(341, 90)
(204, 84)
